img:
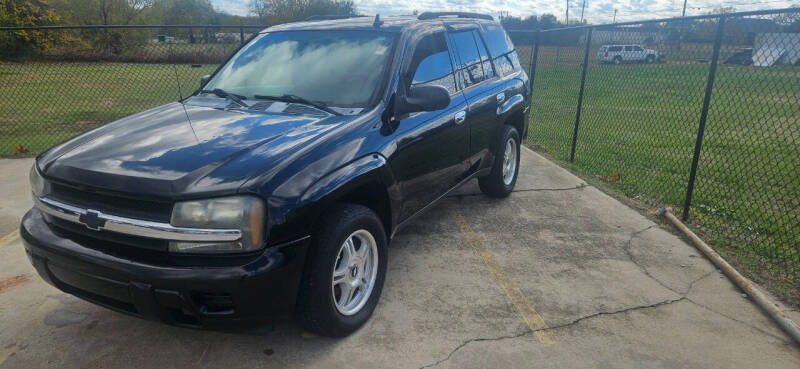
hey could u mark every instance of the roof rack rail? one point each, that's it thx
(434, 15)
(331, 17)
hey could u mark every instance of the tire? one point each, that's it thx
(650, 59)
(501, 180)
(317, 309)
(617, 60)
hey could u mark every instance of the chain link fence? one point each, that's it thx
(83, 76)
(698, 113)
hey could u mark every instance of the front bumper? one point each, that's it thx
(258, 287)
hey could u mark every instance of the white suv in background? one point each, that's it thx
(619, 54)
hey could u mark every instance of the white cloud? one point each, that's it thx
(597, 11)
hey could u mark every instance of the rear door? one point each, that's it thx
(482, 91)
(431, 146)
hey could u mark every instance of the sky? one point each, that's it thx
(597, 11)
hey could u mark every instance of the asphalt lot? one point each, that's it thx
(558, 275)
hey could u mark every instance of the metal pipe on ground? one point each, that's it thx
(766, 303)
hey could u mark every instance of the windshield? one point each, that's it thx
(334, 68)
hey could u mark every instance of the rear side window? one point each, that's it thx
(507, 63)
(501, 50)
(615, 48)
(470, 70)
(628, 48)
(497, 40)
(488, 71)
(431, 63)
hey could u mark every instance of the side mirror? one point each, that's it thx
(204, 80)
(423, 98)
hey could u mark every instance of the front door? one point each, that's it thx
(432, 146)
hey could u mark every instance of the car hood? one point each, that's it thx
(178, 149)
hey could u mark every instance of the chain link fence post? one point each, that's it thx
(534, 57)
(712, 71)
(580, 93)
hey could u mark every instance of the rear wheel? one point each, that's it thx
(344, 273)
(501, 180)
(617, 60)
(650, 59)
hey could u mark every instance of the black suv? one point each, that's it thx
(278, 185)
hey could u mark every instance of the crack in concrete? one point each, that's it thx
(683, 297)
(708, 308)
(632, 258)
(555, 327)
(479, 339)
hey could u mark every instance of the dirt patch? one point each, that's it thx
(11, 282)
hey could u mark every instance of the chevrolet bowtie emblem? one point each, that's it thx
(92, 220)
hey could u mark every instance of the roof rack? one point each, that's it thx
(331, 17)
(434, 15)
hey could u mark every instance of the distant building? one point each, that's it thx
(776, 49)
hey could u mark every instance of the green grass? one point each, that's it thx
(45, 103)
(640, 122)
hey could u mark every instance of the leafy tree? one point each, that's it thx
(26, 13)
(101, 11)
(283, 11)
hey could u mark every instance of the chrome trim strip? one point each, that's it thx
(136, 227)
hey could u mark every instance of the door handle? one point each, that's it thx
(501, 97)
(461, 117)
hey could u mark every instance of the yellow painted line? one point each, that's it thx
(9, 238)
(523, 306)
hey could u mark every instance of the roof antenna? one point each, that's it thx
(377, 23)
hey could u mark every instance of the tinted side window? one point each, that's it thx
(628, 48)
(637, 48)
(504, 64)
(497, 41)
(615, 48)
(431, 63)
(488, 71)
(470, 60)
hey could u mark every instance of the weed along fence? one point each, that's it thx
(698, 113)
(79, 77)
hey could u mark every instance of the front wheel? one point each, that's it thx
(650, 59)
(501, 180)
(344, 273)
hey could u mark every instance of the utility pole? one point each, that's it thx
(680, 31)
(566, 18)
(615, 16)
(583, 7)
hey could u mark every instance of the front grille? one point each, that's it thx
(112, 237)
(146, 250)
(112, 204)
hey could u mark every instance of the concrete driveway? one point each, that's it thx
(558, 275)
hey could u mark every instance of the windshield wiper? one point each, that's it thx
(222, 93)
(289, 98)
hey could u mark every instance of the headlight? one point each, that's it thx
(245, 213)
(37, 181)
